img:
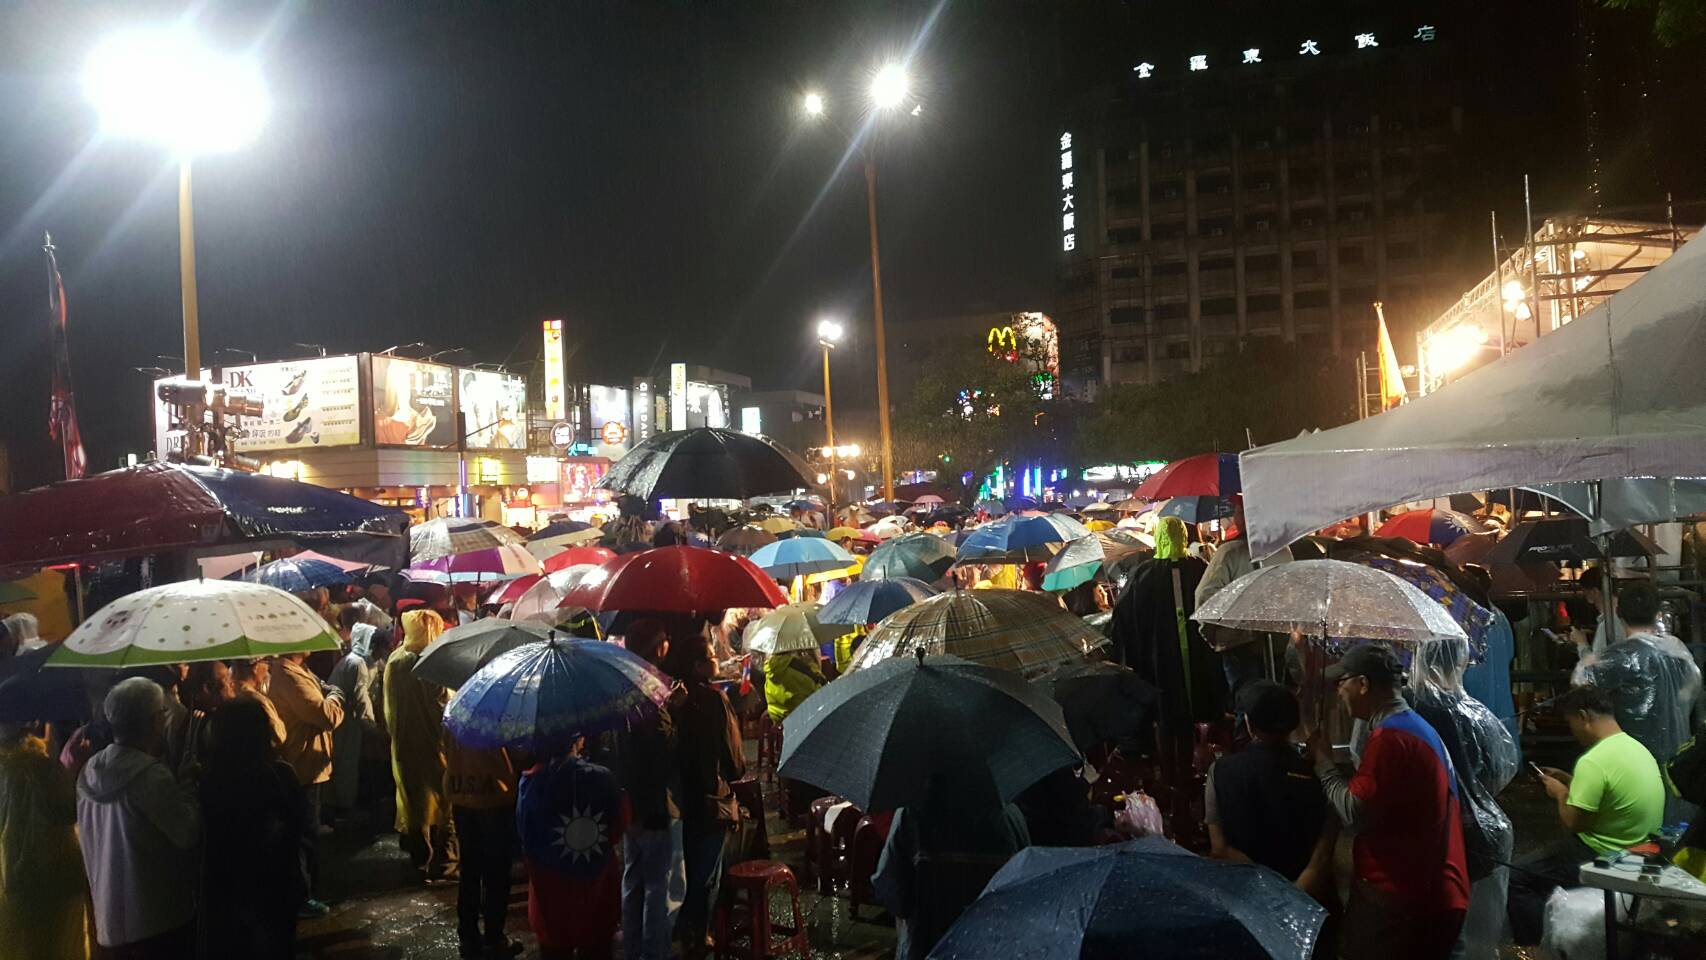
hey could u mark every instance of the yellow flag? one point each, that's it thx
(1391, 377)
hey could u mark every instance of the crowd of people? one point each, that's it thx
(187, 817)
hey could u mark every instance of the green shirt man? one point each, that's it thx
(1619, 781)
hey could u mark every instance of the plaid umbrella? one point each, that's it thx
(744, 540)
(1081, 558)
(448, 536)
(1015, 630)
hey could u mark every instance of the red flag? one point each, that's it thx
(62, 411)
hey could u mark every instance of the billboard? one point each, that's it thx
(678, 396)
(494, 409)
(707, 404)
(644, 422)
(611, 427)
(308, 403)
(414, 403)
(556, 391)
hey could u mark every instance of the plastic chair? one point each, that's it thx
(743, 912)
(835, 849)
(815, 839)
(750, 796)
(869, 838)
(769, 746)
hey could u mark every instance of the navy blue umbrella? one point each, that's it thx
(1145, 898)
(869, 601)
(1197, 509)
(558, 529)
(297, 574)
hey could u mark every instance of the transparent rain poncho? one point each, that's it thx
(1654, 685)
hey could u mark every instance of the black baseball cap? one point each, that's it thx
(1375, 661)
(1271, 707)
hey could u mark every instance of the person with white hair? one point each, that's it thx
(139, 829)
(26, 631)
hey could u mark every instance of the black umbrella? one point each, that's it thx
(1143, 898)
(1102, 702)
(1566, 538)
(463, 650)
(27, 692)
(706, 463)
(885, 736)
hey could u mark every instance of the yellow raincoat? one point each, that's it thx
(789, 678)
(44, 893)
(414, 714)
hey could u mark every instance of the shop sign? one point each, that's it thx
(542, 470)
(562, 434)
(556, 391)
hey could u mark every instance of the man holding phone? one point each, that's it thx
(1613, 800)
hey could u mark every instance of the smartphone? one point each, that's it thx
(1535, 769)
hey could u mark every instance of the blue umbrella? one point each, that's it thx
(1144, 898)
(869, 601)
(798, 556)
(542, 696)
(1197, 509)
(1020, 539)
(296, 575)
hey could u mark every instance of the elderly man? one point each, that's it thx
(139, 829)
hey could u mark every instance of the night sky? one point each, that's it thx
(456, 172)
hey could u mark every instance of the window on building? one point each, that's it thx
(1260, 184)
(1352, 253)
(1125, 273)
(1166, 190)
(1402, 249)
(1216, 227)
(1399, 166)
(1125, 196)
(1219, 346)
(1304, 182)
(1167, 149)
(1258, 140)
(1261, 224)
(1120, 235)
(1308, 216)
(1393, 126)
(1204, 146)
(1168, 268)
(1353, 212)
(1215, 263)
(1178, 350)
(1309, 298)
(1123, 315)
(1212, 186)
(1262, 303)
(1130, 353)
(1177, 310)
(1357, 128)
(1304, 258)
(1170, 230)
(1261, 263)
(1356, 298)
(1220, 307)
(1302, 136)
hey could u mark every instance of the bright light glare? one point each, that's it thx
(1512, 290)
(814, 105)
(828, 331)
(1453, 348)
(165, 86)
(890, 86)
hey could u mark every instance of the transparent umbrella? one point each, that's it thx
(1329, 599)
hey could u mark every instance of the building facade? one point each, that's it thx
(1212, 200)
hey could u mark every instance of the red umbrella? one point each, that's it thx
(1204, 475)
(512, 590)
(1441, 527)
(575, 556)
(676, 579)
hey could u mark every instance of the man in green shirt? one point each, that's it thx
(1615, 799)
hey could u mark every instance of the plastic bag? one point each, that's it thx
(1654, 684)
(1140, 817)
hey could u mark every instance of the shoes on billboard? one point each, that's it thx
(295, 383)
(300, 431)
(296, 411)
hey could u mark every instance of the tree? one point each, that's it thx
(1675, 22)
(969, 413)
(1269, 391)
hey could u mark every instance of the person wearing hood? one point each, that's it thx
(414, 714)
(139, 829)
(44, 892)
(26, 632)
(355, 676)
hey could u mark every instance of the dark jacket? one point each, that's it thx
(708, 757)
(1269, 806)
(251, 880)
(646, 767)
(1147, 622)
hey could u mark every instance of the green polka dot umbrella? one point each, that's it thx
(195, 620)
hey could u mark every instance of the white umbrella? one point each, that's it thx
(889, 527)
(447, 536)
(195, 620)
(1330, 598)
(551, 546)
(544, 596)
(790, 629)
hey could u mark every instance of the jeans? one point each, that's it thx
(654, 882)
(703, 852)
(1535, 877)
(309, 853)
(487, 837)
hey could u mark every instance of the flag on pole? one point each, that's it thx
(62, 411)
(1391, 376)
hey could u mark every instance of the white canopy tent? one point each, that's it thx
(1620, 392)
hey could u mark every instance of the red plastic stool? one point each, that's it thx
(769, 746)
(743, 911)
(869, 838)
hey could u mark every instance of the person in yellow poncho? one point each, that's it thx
(44, 893)
(789, 678)
(414, 714)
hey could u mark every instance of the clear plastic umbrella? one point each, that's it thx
(1329, 598)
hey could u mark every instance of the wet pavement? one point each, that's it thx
(379, 910)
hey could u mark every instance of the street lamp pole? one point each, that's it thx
(828, 332)
(186, 276)
(882, 345)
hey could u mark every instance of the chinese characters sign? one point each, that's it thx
(1199, 62)
(555, 401)
(1068, 189)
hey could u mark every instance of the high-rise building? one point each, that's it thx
(1236, 191)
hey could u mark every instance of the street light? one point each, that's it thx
(828, 335)
(890, 88)
(165, 86)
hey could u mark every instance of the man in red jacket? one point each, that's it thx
(1412, 886)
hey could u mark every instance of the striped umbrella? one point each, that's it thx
(491, 563)
(447, 536)
(1027, 633)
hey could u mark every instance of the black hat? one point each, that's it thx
(1271, 707)
(1375, 661)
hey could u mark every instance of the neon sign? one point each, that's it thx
(1068, 211)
